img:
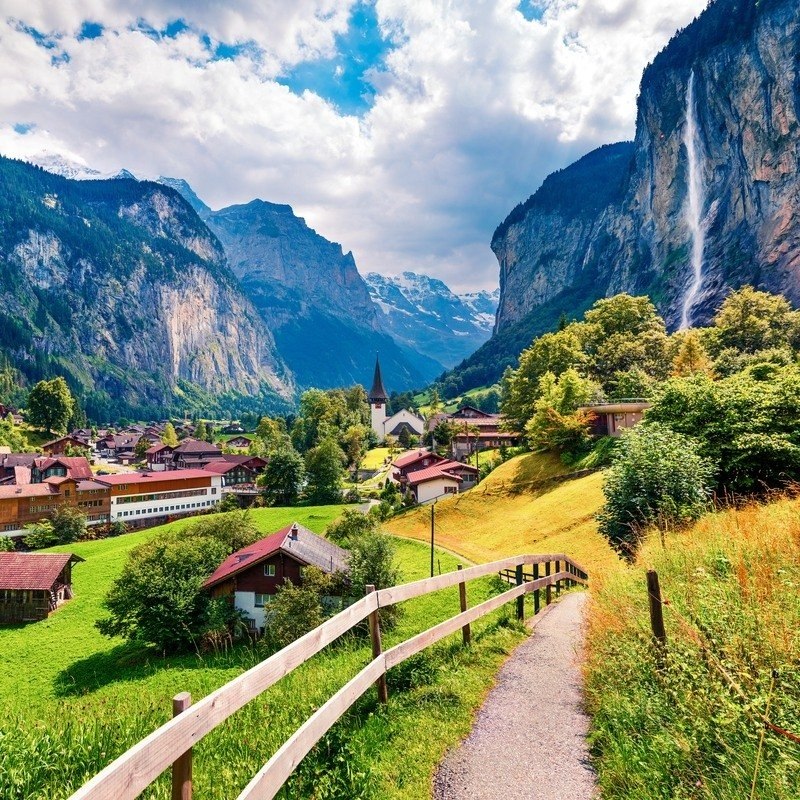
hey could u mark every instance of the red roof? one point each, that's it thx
(77, 467)
(152, 477)
(157, 448)
(32, 570)
(410, 458)
(196, 446)
(222, 467)
(430, 474)
(247, 556)
(28, 490)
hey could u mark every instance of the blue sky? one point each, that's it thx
(406, 130)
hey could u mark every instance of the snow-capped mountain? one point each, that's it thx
(66, 167)
(423, 313)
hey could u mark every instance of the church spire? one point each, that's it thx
(378, 391)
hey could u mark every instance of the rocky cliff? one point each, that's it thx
(119, 286)
(312, 297)
(426, 315)
(718, 162)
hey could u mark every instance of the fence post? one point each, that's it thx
(536, 593)
(462, 596)
(182, 766)
(558, 583)
(377, 649)
(656, 610)
(548, 592)
(521, 598)
(568, 566)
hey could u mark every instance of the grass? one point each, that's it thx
(732, 584)
(73, 700)
(519, 508)
(375, 458)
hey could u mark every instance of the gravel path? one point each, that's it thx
(528, 740)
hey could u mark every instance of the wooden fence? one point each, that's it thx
(170, 745)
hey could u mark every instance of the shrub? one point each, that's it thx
(7, 544)
(657, 477)
(351, 526)
(372, 563)
(294, 611)
(67, 525)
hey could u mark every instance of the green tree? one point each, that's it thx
(11, 436)
(169, 436)
(353, 444)
(657, 478)
(201, 431)
(50, 405)
(284, 476)
(66, 525)
(350, 527)
(141, 448)
(372, 562)
(293, 611)
(435, 404)
(325, 469)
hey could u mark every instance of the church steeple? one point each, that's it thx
(378, 393)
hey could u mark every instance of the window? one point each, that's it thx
(262, 599)
(269, 570)
(214, 490)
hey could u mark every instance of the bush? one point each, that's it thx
(372, 563)
(7, 544)
(351, 526)
(67, 525)
(657, 477)
(293, 612)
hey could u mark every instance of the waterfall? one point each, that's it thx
(694, 206)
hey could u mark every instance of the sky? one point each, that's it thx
(406, 130)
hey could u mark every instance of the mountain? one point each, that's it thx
(312, 297)
(705, 198)
(483, 305)
(120, 287)
(188, 194)
(425, 315)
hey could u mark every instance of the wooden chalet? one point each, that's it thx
(610, 419)
(475, 430)
(427, 475)
(32, 585)
(250, 577)
(58, 447)
(241, 441)
(194, 454)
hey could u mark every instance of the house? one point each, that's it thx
(194, 454)
(390, 426)
(34, 584)
(137, 498)
(610, 419)
(158, 457)
(432, 483)
(250, 577)
(233, 427)
(475, 430)
(58, 447)
(254, 463)
(240, 441)
(428, 475)
(233, 474)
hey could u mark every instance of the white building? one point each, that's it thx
(390, 426)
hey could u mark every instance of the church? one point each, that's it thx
(390, 426)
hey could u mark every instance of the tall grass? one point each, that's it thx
(732, 583)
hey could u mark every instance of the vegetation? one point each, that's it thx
(11, 436)
(66, 525)
(691, 728)
(51, 405)
(284, 476)
(60, 711)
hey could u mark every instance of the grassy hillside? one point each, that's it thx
(521, 507)
(687, 731)
(73, 700)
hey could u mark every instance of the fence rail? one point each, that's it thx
(170, 745)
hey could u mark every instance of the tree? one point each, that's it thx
(691, 357)
(50, 405)
(11, 436)
(293, 611)
(353, 444)
(284, 476)
(141, 448)
(169, 436)
(372, 562)
(657, 477)
(434, 403)
(404, 437)
(350, 526)
(66, 525)
(201, 431)
(325, 468)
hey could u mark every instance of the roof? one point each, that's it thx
(157, 448)
(308, 548)
(152, 477)
(378, 390)
(196, 446)
(243, 458)
(222, 467)
(430, 474)
(77, 467)
(28, 490)
(32, 570)
(410, 458)
(446, 466)
(68, 438)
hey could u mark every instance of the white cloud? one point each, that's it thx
(475, 107)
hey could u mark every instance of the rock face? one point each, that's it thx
(425, 315)
(312, 297)
(617, 220)
(120, 286)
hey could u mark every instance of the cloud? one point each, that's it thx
(472, 105)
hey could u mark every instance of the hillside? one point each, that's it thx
(528, 504)
(120, 287)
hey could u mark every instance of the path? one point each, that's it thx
(528, 741)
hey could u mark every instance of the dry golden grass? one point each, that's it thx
(519, 508)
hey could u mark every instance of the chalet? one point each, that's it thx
(475, 430)
(34, 584)
(250, 577)
(62, 445)
(159, 456)
(233, 474)
(240, 441)
(194, 454)
(254, 463)
(234, 427)
(76, 467)
(429, 484)
(427, 475)
(416, 460)
(610, 419)
(137, 497)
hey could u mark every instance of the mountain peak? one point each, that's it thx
(186, 191)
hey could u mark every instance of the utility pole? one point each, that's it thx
(433, 527)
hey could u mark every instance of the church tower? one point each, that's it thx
(377, 402)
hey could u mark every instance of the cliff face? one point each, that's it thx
(312, 297)
(744, 56)
(120, 286)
